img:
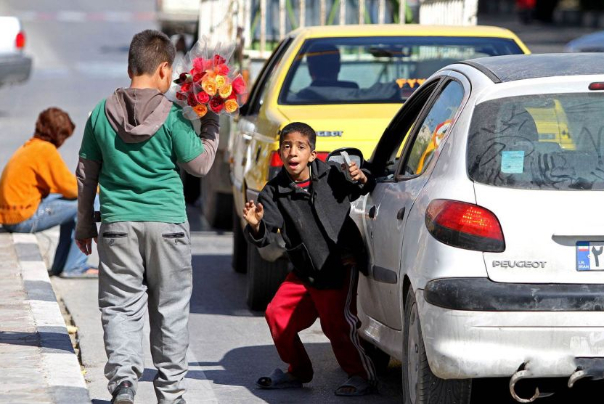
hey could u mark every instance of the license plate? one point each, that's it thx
(590, 256)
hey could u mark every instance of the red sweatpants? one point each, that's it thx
(296, 306)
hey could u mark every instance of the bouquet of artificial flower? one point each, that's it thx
(205, 81)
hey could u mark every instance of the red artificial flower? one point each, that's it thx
(218, 60)
(185, 87)
(222, 69)
(239, 85)
(216, 104)
(191, 99)
(181, 96)
(198, 76)
(201, 65)
(203, 97)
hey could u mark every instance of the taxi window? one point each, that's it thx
(544, 141)
(377, 69)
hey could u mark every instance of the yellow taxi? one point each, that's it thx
(347, 82)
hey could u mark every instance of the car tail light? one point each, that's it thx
(322, 156)
(276, 163)
(464, 225)
(596, 86)
(20, 40)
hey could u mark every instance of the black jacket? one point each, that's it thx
(315, 223)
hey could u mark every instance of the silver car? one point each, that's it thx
(485, 229)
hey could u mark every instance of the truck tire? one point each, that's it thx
(239, 261)
(420, 385)
(263, 278)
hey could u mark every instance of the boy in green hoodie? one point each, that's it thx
(134, 143)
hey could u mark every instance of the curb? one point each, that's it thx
(61, 366)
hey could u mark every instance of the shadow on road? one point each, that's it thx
(217, 289)
(243, 366)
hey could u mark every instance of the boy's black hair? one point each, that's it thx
(302, 128)
(148, 50)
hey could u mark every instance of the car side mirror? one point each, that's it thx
(355, 155)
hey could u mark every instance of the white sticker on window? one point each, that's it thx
(512, 162)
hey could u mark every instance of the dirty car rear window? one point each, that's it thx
(552, 141)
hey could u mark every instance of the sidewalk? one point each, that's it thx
(37, 361)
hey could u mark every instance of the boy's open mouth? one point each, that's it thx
(293, 164)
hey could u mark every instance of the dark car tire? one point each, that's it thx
(239, 260)
(427, 389)
(263, 278)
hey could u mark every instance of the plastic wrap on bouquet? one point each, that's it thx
(205, 81)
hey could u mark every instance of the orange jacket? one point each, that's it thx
(33, 172)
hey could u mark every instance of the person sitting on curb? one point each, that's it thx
(37, 192)
(309, 203)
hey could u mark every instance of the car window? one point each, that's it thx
(433, 129)
(543, 141)
(388, 150)
(261, 86)
(377, 69)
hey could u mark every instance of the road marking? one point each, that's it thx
(74, 16)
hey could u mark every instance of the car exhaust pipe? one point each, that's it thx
(525, 373)
(592, 368)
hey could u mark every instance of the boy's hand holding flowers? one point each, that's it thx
(356, 174)
(253, 214)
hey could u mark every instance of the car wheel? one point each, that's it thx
(239, 261)
(379, 358)
(420, 385)
(263, 278)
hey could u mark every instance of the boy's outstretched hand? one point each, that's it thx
(356, 174)
(253, 214)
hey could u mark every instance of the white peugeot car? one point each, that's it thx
(485, 230)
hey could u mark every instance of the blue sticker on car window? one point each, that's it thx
(512, 162)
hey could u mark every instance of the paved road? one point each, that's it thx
(79, 49)
(230, 345)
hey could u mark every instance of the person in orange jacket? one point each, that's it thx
(37, 192)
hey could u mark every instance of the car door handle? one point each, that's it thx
(400, 214)
(372, 212)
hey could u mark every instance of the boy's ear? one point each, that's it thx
(313, 156)
(164, 70)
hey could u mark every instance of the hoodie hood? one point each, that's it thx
(137, 113)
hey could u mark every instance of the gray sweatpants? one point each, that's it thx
(146, 265)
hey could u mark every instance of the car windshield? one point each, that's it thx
(377, 69)
(553, 141)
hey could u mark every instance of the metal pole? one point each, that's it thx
(342, 12)
(281, 19)
(361, 11)
(381, 11)
(322, 12)
(402, 8)
(302, 13)
(262, 27)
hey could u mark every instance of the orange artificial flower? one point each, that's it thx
(230, 106)
(200, 110)
(225, 90)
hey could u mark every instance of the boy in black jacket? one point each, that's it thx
(309, 203)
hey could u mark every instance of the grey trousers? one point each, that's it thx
(146, 265)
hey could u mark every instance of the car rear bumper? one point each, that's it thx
(482, 294)
(14, 68)
(464, 344)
